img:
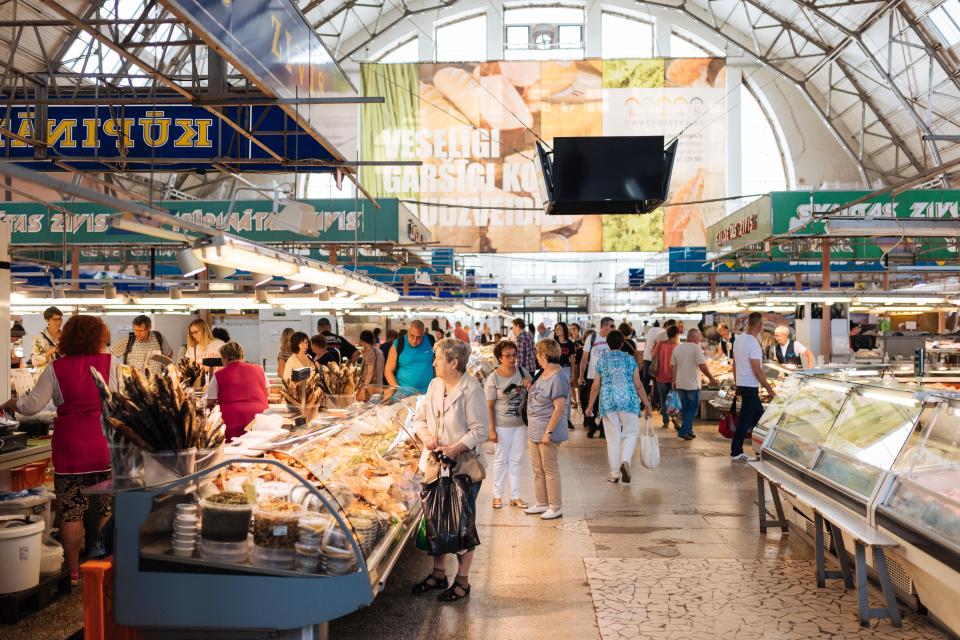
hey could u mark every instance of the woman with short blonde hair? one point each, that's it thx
(546, 429)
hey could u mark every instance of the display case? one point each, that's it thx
(317, 522)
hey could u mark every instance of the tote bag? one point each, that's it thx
(649, 446)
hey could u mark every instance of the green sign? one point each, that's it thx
(338, 220)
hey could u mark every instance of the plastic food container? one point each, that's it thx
(232, 552)
(166, 466)
(20, 553)
(186, 509)
(335, 401)
(226, 521)
(338, 552)
(276, 524)
(126, 461)
(272, 558)
(313, 526)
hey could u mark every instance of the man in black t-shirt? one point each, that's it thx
(337, 342)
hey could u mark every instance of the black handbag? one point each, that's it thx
(451, 525)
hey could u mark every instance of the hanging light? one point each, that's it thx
(226, 251)
(294, 285)
(360, 287)
(324, 296)
(175, 293)
(319, 275)
(58, 294)
(261, 278)
(318, 288)
(190, 264)
(220, 272)
(109, 291)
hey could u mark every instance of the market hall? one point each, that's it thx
(469, 320)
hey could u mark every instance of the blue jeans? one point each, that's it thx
(690, 401)
(750, 412)
(663, 389)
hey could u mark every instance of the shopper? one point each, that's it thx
(620, 391)
(568, 359)
(497, 338)
(221, 334)
(338, 342)
(79, 449)
(650, 339)
(240, 388)
(451, 420)
(662, 354)
(475, 333)
(200, 342)
(438, 335)
(629, 346)
(385, 347)
(506, 395)
(300, 358)
(748, 372)
(790, 351)
(526, 357)
(373, 360)
(376, 337)
(322, 352)
(687, 363)
(286, 350)
(460, 333)
(486, 336)
(136, 348)
(593, 349)
(410, 362)
(45, 343)
(546, 429)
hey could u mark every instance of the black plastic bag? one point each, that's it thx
(451, 522)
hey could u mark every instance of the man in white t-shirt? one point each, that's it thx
(593, 349)
(686, 363)
(788, 351)
(748, 372)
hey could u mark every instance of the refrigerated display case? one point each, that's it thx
(888, 452)
(335, 505)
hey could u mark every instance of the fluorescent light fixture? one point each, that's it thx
(360, 287)
(190, 264)
(226, 251)
(892, 300)
(126, 222)
(317, 288)
(261, 278)
(894, 398)
(319, 275)
(830, 386)
(892, 227)
(294, 285)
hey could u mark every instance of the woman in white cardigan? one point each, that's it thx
(452, 420)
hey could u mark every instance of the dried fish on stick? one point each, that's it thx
(338, 378)
(192, 374)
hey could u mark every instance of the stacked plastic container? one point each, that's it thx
(185, 530)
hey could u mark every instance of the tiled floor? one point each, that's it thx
(732, 598)
(675, 554)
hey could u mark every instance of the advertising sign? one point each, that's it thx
(272, 44)
(475, 125)
(168, 137)
(746, 226)
(339, 220)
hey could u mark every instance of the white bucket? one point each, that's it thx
(51, 558)
(19, 553)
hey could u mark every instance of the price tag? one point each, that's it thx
(280, 530)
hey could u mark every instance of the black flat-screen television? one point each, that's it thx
(607, 174)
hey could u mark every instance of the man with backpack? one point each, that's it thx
(410, 362)
(136, 348)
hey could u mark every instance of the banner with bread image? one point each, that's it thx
(474, 126)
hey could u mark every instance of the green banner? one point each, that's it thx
(338, 220)
(793, 213)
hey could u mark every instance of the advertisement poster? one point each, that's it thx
(475, 125)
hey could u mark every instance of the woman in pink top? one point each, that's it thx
(663, 352)
(80, 454)
(240, 388)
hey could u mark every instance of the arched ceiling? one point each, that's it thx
(874, 70)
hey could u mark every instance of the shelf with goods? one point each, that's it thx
(315, 515)
(886, 452)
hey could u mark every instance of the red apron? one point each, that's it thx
(78, 442)
(241, 394)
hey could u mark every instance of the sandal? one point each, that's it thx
(451, 595)
(430, 583)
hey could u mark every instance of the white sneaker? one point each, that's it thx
(613, 477)
(536, 508)
(551, 514)
(740, 458)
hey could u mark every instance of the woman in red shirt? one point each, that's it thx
(663, 352)
(79, 449)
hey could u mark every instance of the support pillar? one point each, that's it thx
(332, 250)
(798, 280)
(663, 296)
(406, 285)
(75, 268)
(713, 286)
(825, 318)
(941, 323)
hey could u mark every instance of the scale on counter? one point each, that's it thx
(10, 438)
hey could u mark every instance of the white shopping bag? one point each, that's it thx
(649, 446)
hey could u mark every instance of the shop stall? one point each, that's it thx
(886, 451)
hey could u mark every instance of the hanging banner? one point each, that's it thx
(162, 137)
(474, 126)
(338, 220)
(274, 46)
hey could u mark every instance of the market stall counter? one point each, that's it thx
(305, 533)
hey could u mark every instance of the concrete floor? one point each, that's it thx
(532, 579)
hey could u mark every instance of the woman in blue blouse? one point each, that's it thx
(620, 390)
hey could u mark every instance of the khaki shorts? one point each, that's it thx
(72, 502)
